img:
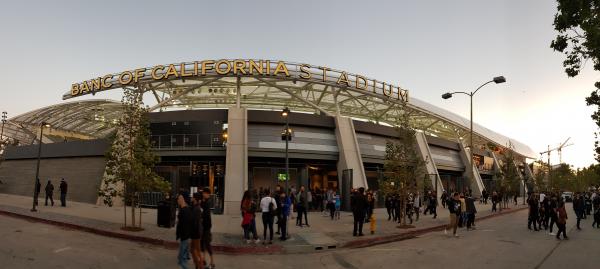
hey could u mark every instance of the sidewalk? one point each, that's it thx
(322, 234)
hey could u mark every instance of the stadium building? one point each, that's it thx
(219, 123)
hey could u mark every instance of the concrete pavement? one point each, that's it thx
(323, 233)
(502, 242)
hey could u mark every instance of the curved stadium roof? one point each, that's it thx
(95, 118)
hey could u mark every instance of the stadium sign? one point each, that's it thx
(239, 68)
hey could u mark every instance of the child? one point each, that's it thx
(338, 204)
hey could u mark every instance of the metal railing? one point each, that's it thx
(183, 141)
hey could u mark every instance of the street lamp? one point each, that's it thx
(3, 122)
(448, 95)
(37, 171)
(286, 135)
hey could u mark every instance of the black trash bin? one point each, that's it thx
(165, 214)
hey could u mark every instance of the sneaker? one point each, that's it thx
(256, 241)
(248, 241)
(445, 231)
(551, 234)
(455, 235)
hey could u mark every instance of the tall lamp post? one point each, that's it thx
(448, 95)
(37, 171)
(3, 122)
(286, 135)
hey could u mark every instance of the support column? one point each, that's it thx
(349, 152)
(236, 163)
(475, 183)
(425, 151)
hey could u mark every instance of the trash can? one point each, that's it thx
(165, 214)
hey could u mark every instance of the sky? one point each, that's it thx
(427, 47)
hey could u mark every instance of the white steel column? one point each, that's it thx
(476, 183)
(349, 152)
(425, 151)
(236, 163)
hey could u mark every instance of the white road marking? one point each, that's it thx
(62, 249)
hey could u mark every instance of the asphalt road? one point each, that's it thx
(502, 242)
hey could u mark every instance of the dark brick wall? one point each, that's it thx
(83, 174)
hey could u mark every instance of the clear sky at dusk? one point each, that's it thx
(428, 47)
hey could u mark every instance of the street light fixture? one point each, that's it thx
(3, 122)
(37, 171)
(448, 95)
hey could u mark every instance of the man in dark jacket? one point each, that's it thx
(196, 230)
(183, 231)
(63, 192)
(359, 209)
(455, 209)
(471, 211)
(205, 243)
(49, 192)
(578, 207)
(534, 208)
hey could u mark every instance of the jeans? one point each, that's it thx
(183, 255)
(453, 223)
(562, 228)
(470, 220)
(359, 220)
(49, 196)
(267, 220)
(532, 219)
(63, 199)
(283, 226)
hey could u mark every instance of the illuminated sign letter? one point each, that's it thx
(305, 69)
(206, 65)
(105, 83)
(156, 68)
(74, 89)
(84, 87)
(182, 71)
(171, 71)
(122, 78)
(221, 71)
(343, 79)
(360, 86)
(96, 84)
(138, 73)
(258, 67)
(403, 95)
(239, 65)
(387, 92)
(324, 71)
(281, 68)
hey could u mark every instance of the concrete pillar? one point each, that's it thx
(425, 152)
(349, 152)
(236, 164)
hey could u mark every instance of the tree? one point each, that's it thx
(540, 177)
(130, 160)
(509, 177)
(403, 168)
(578, 26)
(562, 178)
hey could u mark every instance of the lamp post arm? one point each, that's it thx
(481, 86)
(462, 93)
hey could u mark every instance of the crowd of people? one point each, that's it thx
(49, 191)
(549, 209)
(193, 230)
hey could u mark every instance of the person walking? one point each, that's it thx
(63, 192)
(331, 203)
(278, 210)
(533, 211)
(553, 214)
(206, 240)
(248, 208)
(196, 230)
(286, 203)
(359, 210)
(183, 231)
(494, 201)
(388, 206)
(49, 192)
(417, 205)
(302, 207)
(444, 198)
(471, 211)
(454, 207)
(268, 207)
(562, 221)
(433, 203)
(337, 204)
(579, 208)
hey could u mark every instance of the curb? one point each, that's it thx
(362, 243)
(224, 249)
